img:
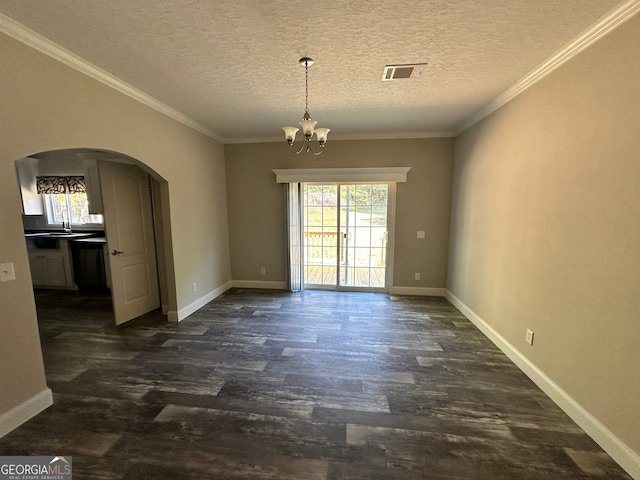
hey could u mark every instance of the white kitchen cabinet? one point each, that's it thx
(51, 268)
(92, 182)
(27, 169)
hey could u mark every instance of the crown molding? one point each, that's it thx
(33, 39)
(346, 136)
(392, 135)
(605, 25)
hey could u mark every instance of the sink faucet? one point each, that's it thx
(67, 228)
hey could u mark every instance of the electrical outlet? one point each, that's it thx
(420, 233)
(194, 286)
(263, 270)
(529, 337)
(417, 276)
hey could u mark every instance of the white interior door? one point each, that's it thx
(130, 240)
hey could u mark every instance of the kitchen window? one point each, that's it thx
(66, 201)
(70, 208)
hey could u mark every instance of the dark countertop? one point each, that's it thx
(62, 235)
(91, 240)
(50, 240)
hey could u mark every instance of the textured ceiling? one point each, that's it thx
(232, 65)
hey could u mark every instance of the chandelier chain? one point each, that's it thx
(306, 86)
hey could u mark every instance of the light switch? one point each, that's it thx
(6, 272)
(420, 233)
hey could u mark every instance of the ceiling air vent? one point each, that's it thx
(397, 72)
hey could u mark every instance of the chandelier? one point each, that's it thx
(308, 125)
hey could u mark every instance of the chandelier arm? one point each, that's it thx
(304, 142)
(309, 149)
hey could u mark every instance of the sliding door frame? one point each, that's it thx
(390, 226)
(389, 175)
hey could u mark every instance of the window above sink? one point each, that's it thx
(72, 207)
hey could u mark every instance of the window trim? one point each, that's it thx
(338, 175)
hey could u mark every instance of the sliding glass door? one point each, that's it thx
(345, 235)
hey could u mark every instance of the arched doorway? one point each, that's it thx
(139, 198)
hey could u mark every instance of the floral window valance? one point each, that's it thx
(54, 184)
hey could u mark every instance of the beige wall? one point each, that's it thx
(256, 203)
(48, 106)
(545, 227)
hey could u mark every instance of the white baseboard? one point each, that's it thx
(25, 411)
(616, 448)
(259, 284)
(184, 312)
(422, 291)
(178, 316)
(430, 292)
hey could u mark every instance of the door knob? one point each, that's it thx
(116, 252)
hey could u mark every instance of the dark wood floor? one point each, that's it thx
(274, 385)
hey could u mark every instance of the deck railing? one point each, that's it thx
(321, 246)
